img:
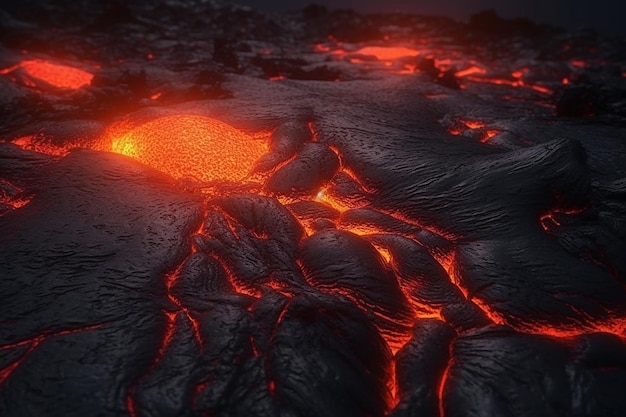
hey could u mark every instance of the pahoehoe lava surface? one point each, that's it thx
(436, 227)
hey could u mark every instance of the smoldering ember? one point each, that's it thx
(208, 210)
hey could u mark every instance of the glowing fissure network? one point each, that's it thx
(420, 233)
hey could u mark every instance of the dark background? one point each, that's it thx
(605, 16)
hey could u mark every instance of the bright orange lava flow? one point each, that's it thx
(57, 75)
(387, 53)
(190, 146)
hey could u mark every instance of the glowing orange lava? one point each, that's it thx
(471, 71)
(60, 76)
(489, 134)
(387, 53)
(473, 124)
(189, 146)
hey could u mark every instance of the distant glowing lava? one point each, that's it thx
(387, 53)
(57, 75)
(190, 146)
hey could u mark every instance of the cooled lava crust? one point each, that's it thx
(210, 211)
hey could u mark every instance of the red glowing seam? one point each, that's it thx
(470, 71)
(578, 63)
(280, 287)
(170, 279)
(392, 384)
(489, 134)
(198, 390)
(130, 402)
(199, 231)
(239, 288)
(384, 253)
(516, 83)
(169, 333)
(168, 337)
(8, 370)
(442, 385)
(396, 341)
(353, 176)
(520, 73)
(271, 386)
(541, 89)
(403, 219)
(550, 216)
(497, 81)
(320, 47)
(282, 313)
(35, 342)
(448, 264)
(616, 327)
(15, 201)
(313, 130)
(277, 78)
(253, 347)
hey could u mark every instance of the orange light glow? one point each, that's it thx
(541, 89)
(42, 145)
(323, 197)
(60, 76)
(320, 47)
(387, 53)
(384, 253)
(190, 146)
(473, 124)
(518, 82)
(470, 71)
(489, 134)
(496, 81)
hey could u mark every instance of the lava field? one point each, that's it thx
(211, 211)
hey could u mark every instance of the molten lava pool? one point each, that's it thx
(191, 146)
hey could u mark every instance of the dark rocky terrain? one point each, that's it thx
(210, 211)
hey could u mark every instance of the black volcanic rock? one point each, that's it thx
(439, 244)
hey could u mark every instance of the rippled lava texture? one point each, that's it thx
(209, 211)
